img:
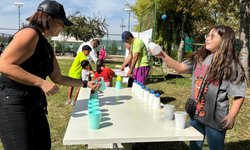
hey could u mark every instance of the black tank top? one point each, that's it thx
(39, 64)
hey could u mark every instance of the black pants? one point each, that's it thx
(23, 123)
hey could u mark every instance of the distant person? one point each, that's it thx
(218, 59)
(86, 72)
(102, 54)
(138, 54)
(93, 44)
(1, 46)
(76, 72)
(24, 66)
(103, 71)
(130, 79)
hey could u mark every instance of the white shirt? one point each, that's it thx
(92, 54)
(85, 74)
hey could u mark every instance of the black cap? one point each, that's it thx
(56, 9)
(125, 35)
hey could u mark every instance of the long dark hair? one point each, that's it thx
(226, 60)
(99, 65)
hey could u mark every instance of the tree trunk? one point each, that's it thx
(181, 48)
(244, 37)
(168, 51)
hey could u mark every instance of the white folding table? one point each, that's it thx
(125, 119)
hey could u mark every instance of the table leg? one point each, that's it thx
(115, 146)
(127, 146)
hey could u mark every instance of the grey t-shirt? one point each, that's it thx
(221, 104)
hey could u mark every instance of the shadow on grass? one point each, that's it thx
(166, 100)
(161, 146)
(240, 145)
(159, 78)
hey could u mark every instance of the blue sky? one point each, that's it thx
(112, 10)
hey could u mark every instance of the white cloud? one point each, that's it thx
(112, 10)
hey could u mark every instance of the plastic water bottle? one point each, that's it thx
(146, 94)
(118, 84)
(156, 102)
(151, 97)
(133, 86)
(142, 91)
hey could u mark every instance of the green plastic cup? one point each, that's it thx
(93, 104)
(93, 94)
(93, 100)
(93, 108)
(94, 119)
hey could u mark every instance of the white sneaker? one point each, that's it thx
(72, 103)
(68, 102)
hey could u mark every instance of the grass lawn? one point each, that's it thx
(174, 91)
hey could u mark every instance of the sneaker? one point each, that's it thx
(68, 102)
(72, 103)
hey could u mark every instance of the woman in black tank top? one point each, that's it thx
(25, 64)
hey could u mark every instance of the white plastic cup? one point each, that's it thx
(156, 49)
(169, 111)
(151, 97)
(146, 95)
(156, 102)
(180, 119)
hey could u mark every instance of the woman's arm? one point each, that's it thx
(20, 49)
(58, 78)
(179, 67)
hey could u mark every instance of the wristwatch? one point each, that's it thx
(85, 83)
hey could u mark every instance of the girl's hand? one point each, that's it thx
(160, 55)
(230, 122)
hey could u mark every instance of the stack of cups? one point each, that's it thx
(94, 113)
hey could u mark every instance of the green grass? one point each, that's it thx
(174, 91)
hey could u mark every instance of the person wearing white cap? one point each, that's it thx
(24, 65)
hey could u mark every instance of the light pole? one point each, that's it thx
(19, 5)
(128, 10)
(122, 24)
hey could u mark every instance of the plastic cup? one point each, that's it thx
(93, 100)
(101, 81)
(156, 49)
(94, 119)
(118, 85)
(93, 108)
(93, 104)
(169, 112)
(93, 94)
(180, 119)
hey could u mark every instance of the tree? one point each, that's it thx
(85, 28)
(244, 36)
